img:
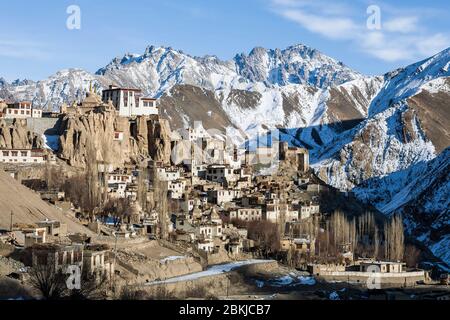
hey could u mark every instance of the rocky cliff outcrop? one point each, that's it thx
(111, 139)
(18, 136)
(159, 137)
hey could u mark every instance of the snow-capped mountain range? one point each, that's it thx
(370, 135)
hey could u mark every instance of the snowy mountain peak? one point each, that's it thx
(298, 64)
(405, 82)
(24, 82)
(3, 82)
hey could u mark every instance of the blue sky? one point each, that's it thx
(35, 43)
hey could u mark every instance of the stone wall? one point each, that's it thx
(384, 279)
(153, 270)
(42, 125)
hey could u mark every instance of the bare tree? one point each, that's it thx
(118, 208)
(160, 196)
(84, 189)
(142, 189)
(49, 281)
(129, 293)
(92, 287)
(412, 256)
(376, 243)
(54, 177)
(92, 179)
(266, 234)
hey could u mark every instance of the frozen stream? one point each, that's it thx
(211, 271)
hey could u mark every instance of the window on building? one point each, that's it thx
(61, 258)
(5, 153)
(23, 153)
(14, 153)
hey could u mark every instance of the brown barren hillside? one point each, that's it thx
(28, 208)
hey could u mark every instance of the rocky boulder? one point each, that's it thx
(108, 138)
(18, 136)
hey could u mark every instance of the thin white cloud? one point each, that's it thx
(334, 28)
(22, 49)
(401, 24)
(378, 45)
(400, 38)
(325, 7)
(430, 45)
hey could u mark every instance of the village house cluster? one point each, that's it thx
(215, 192)
(210, 181)
(214, 185)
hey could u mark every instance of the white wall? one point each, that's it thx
(23, 156)
(32, 113)
(130, 108)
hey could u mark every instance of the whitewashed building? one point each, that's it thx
(117, 190)
(176, 188)
(129, 102)
(22, 156)
(247, 214)
(206, 245)
(221, 174)
(223, 196)
(116, 177)
(306, 211)
(195, 133)
(209, 231)
(21, 110)
(168, 174)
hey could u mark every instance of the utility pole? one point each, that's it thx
(115, 255)
(11, 222)
(227, 284)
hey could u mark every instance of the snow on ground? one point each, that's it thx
(259, 283)
(51, 142)
(171, 258)
(293, 280)
(441, 249)
(334, 296)
(408, 81)
(211, 271)
(436, 86)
